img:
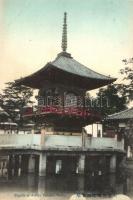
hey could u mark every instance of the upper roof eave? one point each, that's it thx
(71, 66)
(66, 63)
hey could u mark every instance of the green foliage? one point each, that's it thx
(13, 99)
(126, 88)
(108, 100)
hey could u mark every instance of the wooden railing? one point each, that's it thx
(75, 111)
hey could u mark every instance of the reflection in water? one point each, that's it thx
(59, 185)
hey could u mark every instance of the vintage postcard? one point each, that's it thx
(66, 99)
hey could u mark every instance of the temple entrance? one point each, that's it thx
(62, 165)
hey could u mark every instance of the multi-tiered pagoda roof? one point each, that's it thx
(67, 71)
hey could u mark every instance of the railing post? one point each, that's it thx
(42, 137)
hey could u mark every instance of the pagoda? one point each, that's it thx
(62, 86)
(63, 145)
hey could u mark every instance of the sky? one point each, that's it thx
(100, 34)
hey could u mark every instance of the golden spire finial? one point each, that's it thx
(64, 34)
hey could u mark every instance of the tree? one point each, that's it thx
(3, 115)
(13, 99)
(109, 101)
(126, 88)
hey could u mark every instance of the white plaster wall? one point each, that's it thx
(76, 141)
(36, 140)
(31, 140)
(62, 140)
(100, 143)
(15, 139)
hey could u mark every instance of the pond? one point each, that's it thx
(61, 186)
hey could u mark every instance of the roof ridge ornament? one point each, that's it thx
(64, 34)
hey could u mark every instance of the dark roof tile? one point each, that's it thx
(126, 114)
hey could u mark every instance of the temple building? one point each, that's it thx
(121, 124)
(63, 145)
(62, 86)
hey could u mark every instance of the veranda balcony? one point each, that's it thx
(83, 112)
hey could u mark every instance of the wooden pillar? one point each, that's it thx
(10, 165)
(16, 165)
(32, 184)
(42, 164)
(31, 164)
(42, 185)
(81, 164)
(81, 183)
(112, 180)
(20, 169)
(113, 164)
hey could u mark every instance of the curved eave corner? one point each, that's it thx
(24, 80)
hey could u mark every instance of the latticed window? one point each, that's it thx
(57, 101)
(41, 100)
(80, 101)
(70, 100)
(49, 100)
